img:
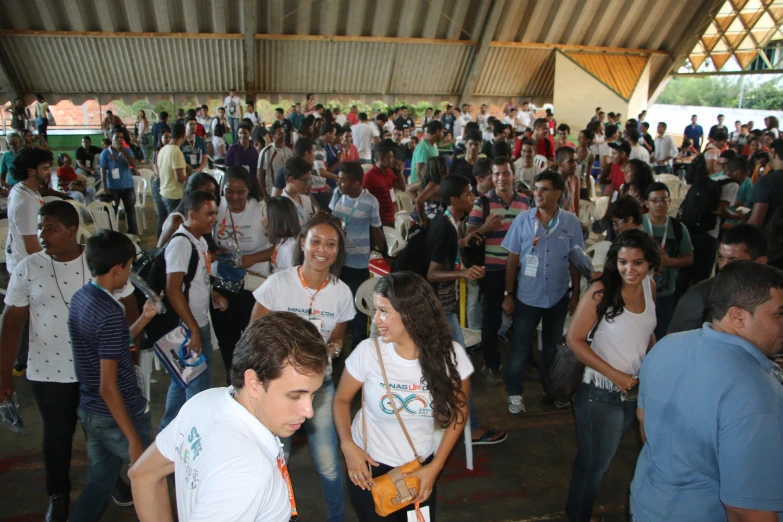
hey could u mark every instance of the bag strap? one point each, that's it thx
(192, 263)
(391, 400)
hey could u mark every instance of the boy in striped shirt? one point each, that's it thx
(493, 214)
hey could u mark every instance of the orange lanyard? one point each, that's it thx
(274, 254)
(222, 228)
(304, 285)
(283, 467)
(208, 262)
(29, 191)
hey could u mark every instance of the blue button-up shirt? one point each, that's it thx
(694, 134)
(713, 416)
(551, 281)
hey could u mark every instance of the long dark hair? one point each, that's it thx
(322, 218)
(283, 221)
(642, 177)
(434, 171)
(611, 304)
(424, 320)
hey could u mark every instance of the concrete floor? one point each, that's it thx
(523, 479)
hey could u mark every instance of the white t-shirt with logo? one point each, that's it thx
(236, 102)
(23, 207)
(363, 134)
(249, 231)
(178, 259)
(46, 285)
(225, 462)
(283, 292)
(386, 441)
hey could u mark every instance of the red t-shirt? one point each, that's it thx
(352, 118)
(66, 175)
(546, 147)
(379, 183)
(200, 131)
(617, 176)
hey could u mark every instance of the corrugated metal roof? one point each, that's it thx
(514, 71)
(619, 72)
(123, 65)
(360, 67)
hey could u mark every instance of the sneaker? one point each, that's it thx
(19, 369)
(492, 375)
(503, 337)
(561, 404)
(58, 508)
(122, 495)
(516, 404)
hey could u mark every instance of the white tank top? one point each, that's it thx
(623, 341)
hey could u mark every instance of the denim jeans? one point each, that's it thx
(57, 402)
(493, 285)
(177, 396)
(42, 124)
(662, 169)
(322, 438)
(474, 304)
(170, 204)
(664, 311)
(456, 335)
(107, 448)
(160, 208)
(365, 161)
(128, 198)
(526, 319)
(234, 123)
(354, 277)
(602, 419)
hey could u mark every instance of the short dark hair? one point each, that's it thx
(302, 146)
(473, 135)
(326, 128)
(274, 341)
(777, 147)
(744, 284)
(564, 127)
(177, 131)
(383, 148)
(195, 200)
(362, 116)
(502, 160)
(663, 123)
(625, 207)
(749, 235)
(322, 218)
(610, 130)
(63, 211)
(561, 154)
(721, 116)
(553, 177)
(655, 186)
(738, 164)
(164, 115)
(501, 149)
(29, 158)
(297, 167)
(87, 138)
(433, 127)
(720, 135)
(352, 171)
(107, 249)
(280, 110)
(381, 117)
(540, 122)
(498, 128)
(482, 168)
(239, 174)
(452, 187)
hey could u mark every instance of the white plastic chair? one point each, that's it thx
(394, 241)
(591, 189)
(363, 301)
(402, 223)
(49, 199)
(674, 186)
(586, 212)
(82, 235)
(366, 167)
(140, 187)
(3, 238)
(601, 205)
(217, 174)
(674, 206)
(540, 161)
(663, 178)
(83, 211)
(599, 251)
(148, 175)
(103, 215)
(404, 201)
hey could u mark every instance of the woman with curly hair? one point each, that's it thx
(638, 176)
(312, 289)
(428, 202)
(431, 376)
(616, 315)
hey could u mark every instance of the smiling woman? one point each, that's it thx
(312, 290)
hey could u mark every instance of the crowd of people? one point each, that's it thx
(271, 255)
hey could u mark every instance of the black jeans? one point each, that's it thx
(705, 247)
(128, 198)
(664, 312)
(229, 324)
(493, 285)
(57, 402)
(364, 506)
(354, 277)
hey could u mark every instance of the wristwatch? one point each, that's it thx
(506, 293)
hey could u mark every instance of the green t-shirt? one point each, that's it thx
(5, 167)
(423, 152)
(667, 280)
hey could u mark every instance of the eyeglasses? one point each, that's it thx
(616, 224)
(658, 201)
(307, 181)
(542, 189)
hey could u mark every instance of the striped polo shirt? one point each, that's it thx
(495, 256)
(98, 331)
(358, 215)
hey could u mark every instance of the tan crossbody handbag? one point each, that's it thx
(392, 491)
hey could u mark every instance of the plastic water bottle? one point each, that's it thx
(141, 285)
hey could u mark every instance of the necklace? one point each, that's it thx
(56, 282)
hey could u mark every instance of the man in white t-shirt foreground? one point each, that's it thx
(223, 447)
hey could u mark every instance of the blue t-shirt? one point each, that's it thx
(694, 134)
(122, 178)
(358, 216)
(713, 416)
(331, 158)
(194, 153)
(543, 256)
(98, 331)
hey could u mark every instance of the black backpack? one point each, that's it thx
(698, 210)
(151, 266)
(474, 255)
(696, 170)
(413, 258)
